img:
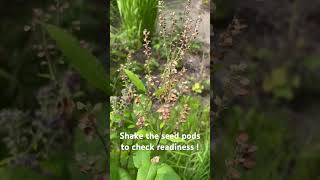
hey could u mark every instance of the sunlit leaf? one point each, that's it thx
(135, 80)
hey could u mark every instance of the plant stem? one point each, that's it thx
(102, 141)
(47, 56)
(160, 135)
(120, 153)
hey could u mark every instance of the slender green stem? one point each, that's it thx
(47, 56)
(102, 141)
(160, 136)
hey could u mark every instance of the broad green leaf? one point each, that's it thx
(135, 80)
(81, 59)
(147, 171)
(152, 172)
(141, 158)
(165, 172)
(123, 174)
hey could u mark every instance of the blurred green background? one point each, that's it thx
(265, 74)
(51, 120)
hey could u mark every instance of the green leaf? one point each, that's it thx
(165, 172)
(161, 125)
(142, 132)
(135, 80)
(115, 117)
(152, 171)
(114, 166)
(147, 171)
(81, 59)
(131, 126)
(159, 92)
(141, 158)
(177, 140)
(123, 174)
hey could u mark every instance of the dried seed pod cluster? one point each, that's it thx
(183, 116)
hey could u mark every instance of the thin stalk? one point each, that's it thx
(120, 153)
(102, 141)
(160, 136)
(47, 56)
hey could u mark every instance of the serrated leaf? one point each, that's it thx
(135, 80)
(81, 59)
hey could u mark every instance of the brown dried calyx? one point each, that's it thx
(164, 112)
(141, 122)
(183, 116)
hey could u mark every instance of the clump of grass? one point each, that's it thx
(136, 16)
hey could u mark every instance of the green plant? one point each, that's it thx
(39, 134)
(35, 137)
(136, 16)
(159, 102)
(92, 123)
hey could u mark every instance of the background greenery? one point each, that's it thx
(51, 88)
(265, 90)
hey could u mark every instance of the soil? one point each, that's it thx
(198, 64)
